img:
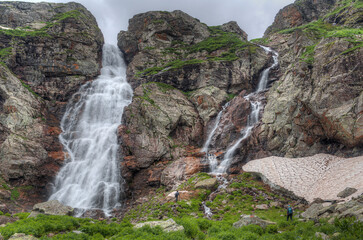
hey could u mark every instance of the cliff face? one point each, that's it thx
(47, 51)
(316, 105)
(183, 72)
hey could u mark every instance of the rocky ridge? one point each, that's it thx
(183, 72)
(48, 51)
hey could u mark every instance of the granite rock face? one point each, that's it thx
(50, 50)
(300, 12)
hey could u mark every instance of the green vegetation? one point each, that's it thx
(226, 208)
(29, 89)
(27, 32)
(262, 41)
(229, 44)
(319, 29)
(4, 53)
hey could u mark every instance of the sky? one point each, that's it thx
(253, 16)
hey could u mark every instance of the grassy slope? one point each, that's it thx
(189, 213)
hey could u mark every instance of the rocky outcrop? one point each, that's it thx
(53, 207)
(250, 219)
(183, 72)
(169, 225)
(320, 176)
(332, 210)
(54, 48)
(316, 105)
(50, 50)
(300, 12)
(176, 49)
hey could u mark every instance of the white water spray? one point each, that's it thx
(90, 178)
(253, 118)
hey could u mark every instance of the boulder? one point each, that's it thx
(22, 236)
(346, 192)
(183, 195)
(210, 184)
(250, 219)
(5, 219)
(313, 211)
(321, 235)
(169, 225)
(262, 207)
(52, 207)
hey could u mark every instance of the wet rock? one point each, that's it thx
(52, 207)
(346, 192)
(180, 170)
(250, 219)
(210, 183)
(169, 225)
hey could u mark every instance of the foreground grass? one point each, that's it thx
(245, 192)
(63, 227)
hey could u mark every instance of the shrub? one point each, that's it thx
(271, 229)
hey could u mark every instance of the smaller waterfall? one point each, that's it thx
(253, 118)
(262, 84)
(211, 134)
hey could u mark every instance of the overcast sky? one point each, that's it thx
(253, 16)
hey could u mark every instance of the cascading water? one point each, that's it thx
(211, 134)
(90, 178)
(252, 118)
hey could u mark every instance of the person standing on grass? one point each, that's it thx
(289, 212)
(176, 195)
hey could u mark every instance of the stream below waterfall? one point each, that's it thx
(90, 177)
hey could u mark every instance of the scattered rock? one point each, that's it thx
(346, 192)
(5, 219)
(274, 204)
(321, 235)
(250, 219)
(262, 207)
(210, 183)
(53, 207)
(169, 225)
(337, 234)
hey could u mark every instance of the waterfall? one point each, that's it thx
(211, 134)
(90, 177)
(253, 118)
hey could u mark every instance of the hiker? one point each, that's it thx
(176, 195)
(289, 212)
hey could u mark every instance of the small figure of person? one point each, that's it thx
(176, 195)
(289, 212)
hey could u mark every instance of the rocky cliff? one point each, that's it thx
(316, 105)
(47, 51)
(183, 72)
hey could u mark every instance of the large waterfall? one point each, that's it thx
(90, 178)
(253, 118)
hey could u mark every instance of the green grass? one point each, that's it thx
(226, 207)
(4, 53)
(230, 43)
(27, 32)
(29, 89)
